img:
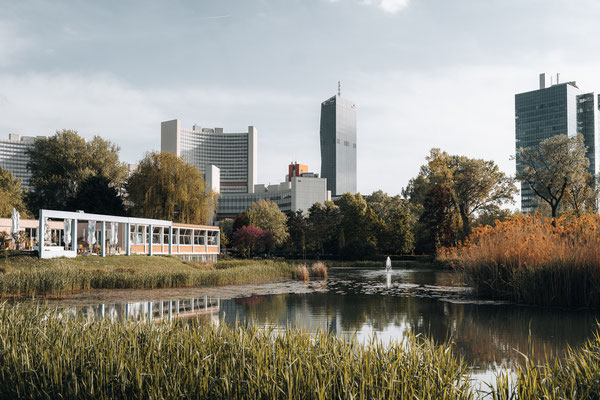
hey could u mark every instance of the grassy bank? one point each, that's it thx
(25, 276)
(45, 356)
(528, 260)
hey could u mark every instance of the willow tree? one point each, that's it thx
(551, 168)
(11, 195)
(166, 187)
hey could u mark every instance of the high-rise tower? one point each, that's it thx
(558, 109)
(338, 144)
(235, 154)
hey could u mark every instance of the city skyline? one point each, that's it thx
(424, 73)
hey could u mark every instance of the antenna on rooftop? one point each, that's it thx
(557, 76)
(339, 88)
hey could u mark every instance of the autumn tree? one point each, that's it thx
(266, 215)
(166, 187)
(11, 194)
(61, 163)
(551, 168)
(462, 187)
(250, 239)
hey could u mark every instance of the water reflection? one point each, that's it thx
(149, 310)
(366, 302)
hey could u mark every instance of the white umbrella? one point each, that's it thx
(47, 232)
(91, 232)
(15, 222)
(67, 235)
(136, 238)
(114, 233)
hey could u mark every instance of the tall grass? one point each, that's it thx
(302, 272)
(29, 276)
(45, 355)
(528, 260)
(319, 270)
(575, 377)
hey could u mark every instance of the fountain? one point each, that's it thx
(388, 264)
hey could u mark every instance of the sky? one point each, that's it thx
(423, 73)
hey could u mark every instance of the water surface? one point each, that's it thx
(366, 302)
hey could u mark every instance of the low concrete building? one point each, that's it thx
(296, 193)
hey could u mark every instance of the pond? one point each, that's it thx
(366, 302)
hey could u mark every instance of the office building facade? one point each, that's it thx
(558, 109)
(234, 154)
(297, 193)
(14, 157)
(338, 144)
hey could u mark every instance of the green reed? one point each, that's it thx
(44, 354)
(29, 276)
(577, 376)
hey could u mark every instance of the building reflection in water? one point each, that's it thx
(164, 310)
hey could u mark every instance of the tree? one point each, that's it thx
(297, 227)
(463, 186)
(240, 220)
(166, 187)
(96, 195)
(396, 227)
(553, 166)
(491, 214)
(267, 216)
(479, 184)
(250, 239)
(324, 226)
(61, 163)
(581, 196)
(11, 195)
(439, 221)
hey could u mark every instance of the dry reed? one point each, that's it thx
(319, 270)
(527, 259)
(302, 272)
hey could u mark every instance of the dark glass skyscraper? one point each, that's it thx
(338, 145)
(560, 109)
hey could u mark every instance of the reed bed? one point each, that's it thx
(302, 273)
(319, 270)
(44, 354)
(577, 376)
(29, 276)
(528, 260)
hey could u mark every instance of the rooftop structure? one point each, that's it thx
(296, 193)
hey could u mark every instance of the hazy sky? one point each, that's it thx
(423, 73)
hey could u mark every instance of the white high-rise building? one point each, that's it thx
(14, 157)
(234, 154)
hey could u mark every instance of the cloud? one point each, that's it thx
(101, 104)
(389, 6)
(12, 43)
